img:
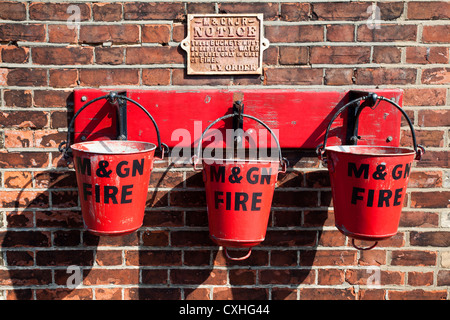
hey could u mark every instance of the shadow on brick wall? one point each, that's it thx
(43, 247)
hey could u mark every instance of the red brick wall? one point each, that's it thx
(130, 44)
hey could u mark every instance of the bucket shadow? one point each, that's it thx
(44, 238)
(198, 269)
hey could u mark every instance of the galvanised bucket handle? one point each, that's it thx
(64, 147)
(320, 150)
(284, 163)
(418, 149)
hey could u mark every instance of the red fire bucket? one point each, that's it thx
(368, 185)
(113, 178)
(112, 175)
(239, 196)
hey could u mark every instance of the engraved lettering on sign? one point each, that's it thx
(225, 44)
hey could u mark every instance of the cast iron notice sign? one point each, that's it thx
(224, 44)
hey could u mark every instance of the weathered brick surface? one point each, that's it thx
(46, 51)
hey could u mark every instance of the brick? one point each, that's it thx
(18, 139)
(429, 138)
(13, 54)
(387, 33)
(49, 138)
(340, 33)
(413, 258)
(221, 293)
(294, 199)
(62, 55)
(108, 77)
(419, 219)
(152, 294)
(154, 11)
(340, 54)
(427, 55)
(27, 77)
(63, 78)
(64, 238)
(25, 239)
(295, 11)
(23, 159)
(335, 11)
(338, 77)
(327, 258)
(60, 33)
(150, 276)
(434, 159)
(78, 257)
(58, 11)
(55, 179)
(20, 278)
(330, 277)
(17, 98)
(198, 8)
(286, 276)
(363, 277)
(443, 278)
(180, 77)
(156, 33)
(126, 33)
(425, 179)
(436, 76)
(10, 10)
(155, 77)
(390, 10)
(99, 276)
(242, 277)
(436, 34)
(109, 55)
(417, 294)
(429, 10)
(58, 119)
(198, 276)
(23, 119)
(153, 55)
(327, 294)
(293, 76)
(290, 238)
(190, 238)
(424, 200)
(270, 10)
(107, 11)
(20, 258)
(381, 76)
(64, 199)
(433, 239)
(386, 54)
(17, 179)
(155, 238)
(425, 97)
(22, 32)
(434, 118)
(300, 33)
(51, 98)
(108, 294)
(418, 279)
(153, 257)
(293, 55)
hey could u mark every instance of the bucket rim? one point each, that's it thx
(341, 149)
(234, 160)
(149, 146)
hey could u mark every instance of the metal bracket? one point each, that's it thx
(238, 121)
(354, 111)
(121, 105)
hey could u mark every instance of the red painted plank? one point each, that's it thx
(300, 118)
